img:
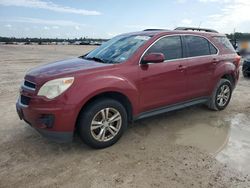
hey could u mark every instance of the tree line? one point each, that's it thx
(238, 36)
(48, 40)
(233, 37)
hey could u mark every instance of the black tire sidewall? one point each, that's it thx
(223, 82)
(88, 114)
(245, 74)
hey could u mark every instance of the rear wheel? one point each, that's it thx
(221, 95)
(102, 123)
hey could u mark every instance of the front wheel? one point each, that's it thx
(102, 123)
(221, 95)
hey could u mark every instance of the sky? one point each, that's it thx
(107, 18)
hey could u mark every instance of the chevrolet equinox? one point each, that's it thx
(129, 77)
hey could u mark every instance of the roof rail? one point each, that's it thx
(154, 30)
(196, 29)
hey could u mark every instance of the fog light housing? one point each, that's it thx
(47, 120)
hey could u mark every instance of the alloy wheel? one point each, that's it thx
(223, 95)
(106, 124)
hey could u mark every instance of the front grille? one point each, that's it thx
(24, 100)
(29, 85)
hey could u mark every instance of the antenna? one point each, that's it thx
(200, 24)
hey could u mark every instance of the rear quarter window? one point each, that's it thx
(213, 50)
(225, 43)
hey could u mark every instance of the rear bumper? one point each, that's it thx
(56, 122)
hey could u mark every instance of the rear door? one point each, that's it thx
(201, 62)
(162, 84)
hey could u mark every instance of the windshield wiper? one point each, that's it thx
(95, 59)
(100, 60)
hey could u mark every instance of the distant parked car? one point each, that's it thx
(246, 67)
(84, 43)
(130, 77)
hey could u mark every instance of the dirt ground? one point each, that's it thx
(194, 147)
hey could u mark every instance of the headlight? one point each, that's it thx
(54, 88)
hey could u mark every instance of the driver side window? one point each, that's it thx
(170, 46)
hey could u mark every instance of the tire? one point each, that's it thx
(96, 126)
(244, 72)
(215, 100)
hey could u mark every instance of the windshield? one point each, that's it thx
(117, 49)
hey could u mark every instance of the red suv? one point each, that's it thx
(131, 76)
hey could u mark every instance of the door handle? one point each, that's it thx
(215, 61)
(181, 68)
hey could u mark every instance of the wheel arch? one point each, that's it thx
(230, 77)
(120, 97)
(227, 70)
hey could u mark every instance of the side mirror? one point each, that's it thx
(153, 58)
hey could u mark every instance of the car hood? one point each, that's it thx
(62, 68)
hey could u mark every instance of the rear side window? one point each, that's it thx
(225, 42)
(213, 50)
(197, 46)
(170, 46)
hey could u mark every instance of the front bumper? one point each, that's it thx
(59, 137)
(55, 122)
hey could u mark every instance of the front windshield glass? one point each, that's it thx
(117, 49)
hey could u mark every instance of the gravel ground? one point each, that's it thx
(193, 147)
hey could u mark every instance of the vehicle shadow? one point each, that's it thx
(168, 125)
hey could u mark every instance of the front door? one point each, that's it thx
(165, 83)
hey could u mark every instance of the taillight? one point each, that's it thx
(237, 61)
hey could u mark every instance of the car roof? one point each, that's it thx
(155, 32)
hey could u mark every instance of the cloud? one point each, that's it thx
(77, 27)
(48, 5)
(42, 21)
(112, 34)
(234, 14)
(46, 28)
(217, 1)
(8, 25)
(142, 27)
(186, 21)
(55, 27)
(181, 1)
